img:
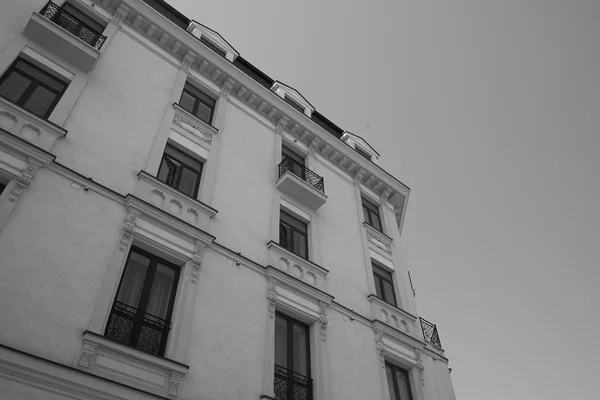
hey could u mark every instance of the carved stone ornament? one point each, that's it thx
(372, 238)
(197, 261)
(385, 195)
(282, 123)
(174, 383)
(271, 296)
(188, 60)
(192, 128)
(314, 145)
(420, 367)
(23, 181)
(323, 320)
(127, 231)
(380, 347)
(121, 14)
(358, 177)
(87, 354)
(227, 87)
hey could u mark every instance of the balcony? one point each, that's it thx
(290, 385)
(135, 328)
(299, 182)
(65, 35)
(430, 333)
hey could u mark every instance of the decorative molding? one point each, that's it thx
(188, 60)
(358, 177)
(174, 383)
(127, 231)
(271, 295)
(385, 195)
(192, 127)
(420, 367)
(314, 145)
(323, 319)
(227, 87)
(121, 14)
(197, 260)
(378, 239)
(88, 352)
(24, 180)
(282, 123)
(380, 347)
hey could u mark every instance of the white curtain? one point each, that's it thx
(160, 293)
(133, 280)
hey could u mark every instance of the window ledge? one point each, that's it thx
(173, 201)
(29, 126)
(193, 125)
(378, 241)
(296, 266)
(392, 315)
(130, 366)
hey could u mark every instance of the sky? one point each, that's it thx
(489, 112)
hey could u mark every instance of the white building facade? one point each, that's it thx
(175, 224)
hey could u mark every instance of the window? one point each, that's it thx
(2, 187)
(197, 103)
(371, 213)
(141, 313)
(292, 359)
(292, 235)
(88, 22)
(384, 285)
(212, 46)
(180, 171)
(363, 153)
(398, 383)
(31, 87)
(293, 162)
(293, 104)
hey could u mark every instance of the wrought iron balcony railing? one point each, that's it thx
(138, 329)
(301, 172)
(73, 25)
(290, 385)
(430, 333)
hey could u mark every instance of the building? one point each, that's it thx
(176, 224)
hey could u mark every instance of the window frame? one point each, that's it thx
(363, 153)
(395, 370)
(189, 88)
(372, 210)
(293, 229)
(145, 294)
(179, 171)
(381, 274)
(33, 85)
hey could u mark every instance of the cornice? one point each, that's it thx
(85, 182)
(178, 43)
(296, 258)
(24, 148)
(405, 314)
(298, 285)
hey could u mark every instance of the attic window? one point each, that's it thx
(362, 153)
(212, 46)
(293, 104)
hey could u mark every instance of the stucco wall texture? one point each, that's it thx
(57, 244)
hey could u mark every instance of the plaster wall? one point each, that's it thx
(14, 17)
(54, 251)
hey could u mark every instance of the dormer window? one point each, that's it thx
(293, 98)
(213, 47)
(362, 153)
(293, 103)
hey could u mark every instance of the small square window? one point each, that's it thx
(371, 214)
(212, 46)
(384, 285)
(141, 313)
(293, 103)
(180, 171)
(293, 235)
(362, 153)
(31, 87)
(198, 103)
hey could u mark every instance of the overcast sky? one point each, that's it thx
(489, 111)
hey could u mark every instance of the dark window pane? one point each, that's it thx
(390, 381)
(287, 152)
(92, 23)
(367, 215)
(188, 182)
(281, 344)
(212, 46)
(187, 102)
(294, 104)
(14, 86)
(285, 236)
(160, 293)
(133, 280)
(363, 153)
(165, 171)
(376, 223)
(388, 292)
(300, 244)
(40, 101)
(294, 222)
(203, 112)
(403, 385)
(300, 350)
(2, 187)
(378, 289)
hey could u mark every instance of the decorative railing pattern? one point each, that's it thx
(135, 328)
(301, 172)
(290, 385)
(430, 332)
(71, 24)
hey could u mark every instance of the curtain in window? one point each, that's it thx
(281, 341)
(160, 294)
(133, 280)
